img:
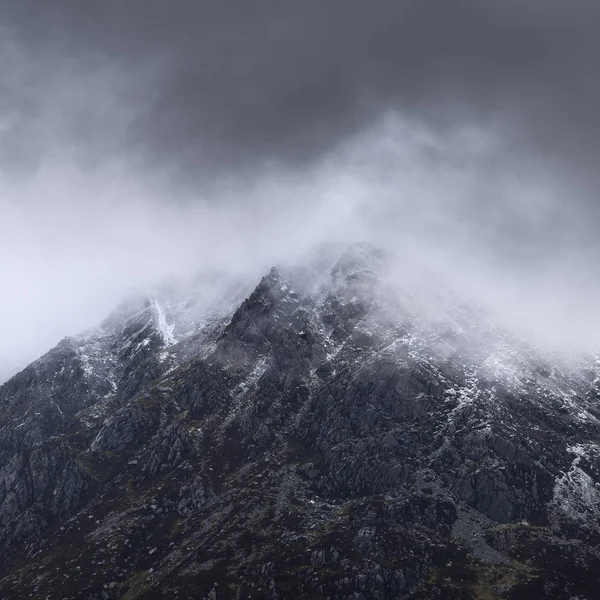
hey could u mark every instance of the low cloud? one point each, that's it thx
(76, 241)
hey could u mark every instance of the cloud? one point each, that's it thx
(77, 242)
(145, 139)
(211, 89)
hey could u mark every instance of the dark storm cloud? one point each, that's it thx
(212, 85)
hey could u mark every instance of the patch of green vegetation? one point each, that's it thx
(136, 585)
(500, 577)
(483, 582)
(178, 527)
(98, 465)
(129, 487)
(150, 403)
(346, 508)
(522, 525)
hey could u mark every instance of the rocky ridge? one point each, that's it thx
(324, 438)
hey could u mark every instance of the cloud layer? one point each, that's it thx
(146, 139)
(203, 87)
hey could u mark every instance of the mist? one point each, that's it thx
(78, 242)
(111, 180)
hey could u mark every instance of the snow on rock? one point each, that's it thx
(339, 386)
(576, 493)
(165, 329)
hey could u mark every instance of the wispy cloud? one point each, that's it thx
(77, 241)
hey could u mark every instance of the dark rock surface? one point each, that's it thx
(321, 440)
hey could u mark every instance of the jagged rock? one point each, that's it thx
(323, 438)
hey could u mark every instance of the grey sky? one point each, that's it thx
(208, 84)
(138, 137)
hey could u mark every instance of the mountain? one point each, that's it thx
(331, 435)
(8, 369)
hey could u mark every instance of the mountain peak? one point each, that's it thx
(274, 291)
(322, 441)
(359, 259)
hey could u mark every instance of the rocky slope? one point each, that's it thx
(326, 438)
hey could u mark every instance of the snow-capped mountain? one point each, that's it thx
(332, 435)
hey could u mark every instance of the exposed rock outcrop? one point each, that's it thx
(317, 441)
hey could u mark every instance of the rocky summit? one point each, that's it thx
(331, 436)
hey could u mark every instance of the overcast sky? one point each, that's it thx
(142, 137)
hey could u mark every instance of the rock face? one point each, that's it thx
(324, 439)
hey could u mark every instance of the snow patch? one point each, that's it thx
(166, 330)
(251, 379)
(576, 494)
